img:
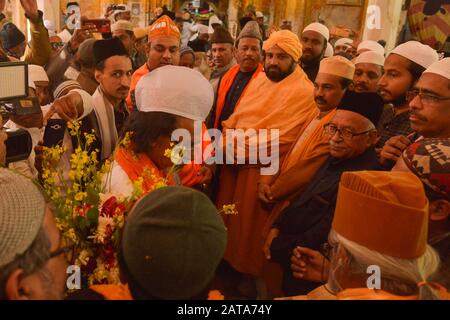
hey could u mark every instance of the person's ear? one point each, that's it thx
(98, 75)
(439, 210)
(15, 288)
(373, 137)
(148, 46)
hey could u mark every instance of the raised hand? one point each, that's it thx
(31, 9)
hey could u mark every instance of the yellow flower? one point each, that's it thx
(168, 153)
(229, 209)
(80, 196)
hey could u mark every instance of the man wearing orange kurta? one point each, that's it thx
(164, 49)
(311, 148)
(233, 84)
(280, 99)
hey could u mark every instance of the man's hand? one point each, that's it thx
(265, 193)
(393, 149)
(274, 232)
(31, 9)
(68, 107)
(81, 34)
(309, 265)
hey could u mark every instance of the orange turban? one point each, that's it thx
(164, 27)
(287, 41)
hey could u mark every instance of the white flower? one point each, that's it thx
(84, 257)
(100, 234)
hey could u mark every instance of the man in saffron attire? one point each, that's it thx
(282, 99)
(234, 83)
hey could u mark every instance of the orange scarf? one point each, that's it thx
(137, 75)
(225, 86)
(309, 145)
(113, 291)
(135, 165)
(189, 173)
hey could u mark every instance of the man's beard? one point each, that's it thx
(400, 101)
(313, 60)
(277, 75)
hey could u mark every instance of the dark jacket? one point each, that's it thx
(307, 221)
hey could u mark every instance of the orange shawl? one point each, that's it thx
(113, 291)
(189, 173)
(137, 75)
(286, 105)
(136, 165)
(225, 86)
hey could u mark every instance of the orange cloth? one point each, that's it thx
(137, 75)
(299, 168)
(188, 174)
(113, 291)
(287, 106)
(163, 27)
(135, 165)
(225, 86)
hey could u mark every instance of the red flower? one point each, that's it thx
(110, 257)
(83, 210)
(109, 207)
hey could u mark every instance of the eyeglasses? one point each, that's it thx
(57, 45)
(331, 129)
(426, 98)
(60, 251)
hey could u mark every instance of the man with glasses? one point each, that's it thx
(57, 45)
(429, 108)
(307, 221)
(32, 265)
(402, 69)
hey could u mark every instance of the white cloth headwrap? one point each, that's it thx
(176, 90)
(417, 52)
(441, 68)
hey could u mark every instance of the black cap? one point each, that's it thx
(368, 104)
(11, 36)
(104, 49)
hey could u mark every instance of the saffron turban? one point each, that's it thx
(164, 27)
(287, 41)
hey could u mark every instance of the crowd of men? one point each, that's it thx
(363, 146)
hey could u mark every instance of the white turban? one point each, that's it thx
(319, 28)
(122, 25)
(36, 73)
(441, 68)
(329, 52)
(176, 90)
(417, 52)
(370, 57)
(371, 45)
(343, 42)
